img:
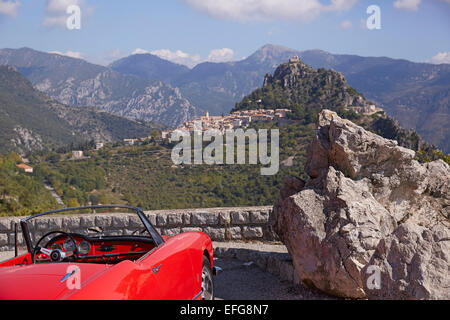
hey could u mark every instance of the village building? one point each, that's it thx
(237, 119)
(25, 167)
(130, 142)
(77, 155)
(281, 113)
(149, 138)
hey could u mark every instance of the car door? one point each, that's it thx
(173, 270)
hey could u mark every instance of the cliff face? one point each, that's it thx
(369, 207)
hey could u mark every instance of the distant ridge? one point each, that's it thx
(149, 66)
(307, 91)
(416, 94)
(31, 121)
(76, 82)
(150, 88)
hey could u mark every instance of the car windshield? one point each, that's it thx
(92, 222)
(90, 234)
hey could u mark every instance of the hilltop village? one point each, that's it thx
(238, 119)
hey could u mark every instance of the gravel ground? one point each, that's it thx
(257, 246)
(241, 282)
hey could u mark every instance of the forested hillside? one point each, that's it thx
(21, 193)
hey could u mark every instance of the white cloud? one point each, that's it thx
(268, 10)
(71, 54)
(221, 55)
(9, 7)
(140, 51)
(61, 5)
(178, 56)
(346, 24)
(441, 57)
(412, 5)
(407, 4)
(190, 60)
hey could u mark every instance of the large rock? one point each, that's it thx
(368, 209)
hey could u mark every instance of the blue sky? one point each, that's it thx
(192, 31)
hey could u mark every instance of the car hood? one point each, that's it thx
(43, 281)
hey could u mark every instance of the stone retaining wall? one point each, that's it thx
(277, 263)
(221, 224)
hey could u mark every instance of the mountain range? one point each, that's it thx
(211, 86)
(144, 86)
(79, 83)
(307, 91)
(144, 175)
(417, 94)
(30, 121)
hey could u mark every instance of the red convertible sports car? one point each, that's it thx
(81, 254)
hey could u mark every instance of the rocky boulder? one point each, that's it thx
(372, 222)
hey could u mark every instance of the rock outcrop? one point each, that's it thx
(372, 222)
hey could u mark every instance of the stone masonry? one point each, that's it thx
(221, 224)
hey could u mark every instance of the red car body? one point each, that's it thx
(171, 270)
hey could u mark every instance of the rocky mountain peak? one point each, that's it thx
(289, 73)
(299, 87)
(368, 207)
(271, 55)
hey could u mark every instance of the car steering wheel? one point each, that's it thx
(55, 255)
